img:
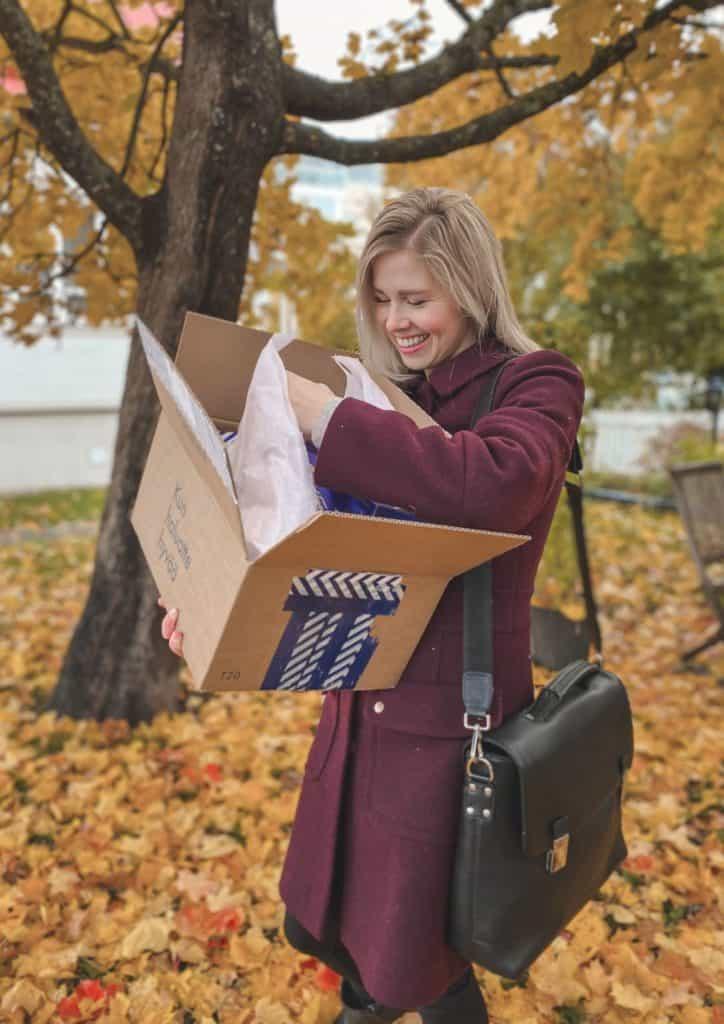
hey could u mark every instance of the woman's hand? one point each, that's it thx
(169, 631)
(308, 400)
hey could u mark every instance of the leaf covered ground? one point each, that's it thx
(139, 868)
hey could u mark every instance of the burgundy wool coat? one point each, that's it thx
(385, 770)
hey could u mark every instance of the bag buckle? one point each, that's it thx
(482, 722)
(557, 856)
(480, 725)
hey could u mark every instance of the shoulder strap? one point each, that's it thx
(478, 582)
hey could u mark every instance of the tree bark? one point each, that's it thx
(227, 125)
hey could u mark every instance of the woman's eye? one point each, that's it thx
(417, 302)
(379, 300)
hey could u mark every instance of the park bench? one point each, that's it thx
(699, 493)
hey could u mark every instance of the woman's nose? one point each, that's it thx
(396, 321)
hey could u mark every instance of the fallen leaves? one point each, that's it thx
(139, 868)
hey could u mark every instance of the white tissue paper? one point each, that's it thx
(268, 456)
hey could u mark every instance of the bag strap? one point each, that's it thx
(478, 585)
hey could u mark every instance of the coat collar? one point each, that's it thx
(452, 375)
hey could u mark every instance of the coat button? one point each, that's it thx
(379, 707)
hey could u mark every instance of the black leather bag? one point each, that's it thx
(540, 820)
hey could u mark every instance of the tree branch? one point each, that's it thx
(107, 45)
(461, 10)
(502, 80)
(300, 138)
(310, 96)
(69, 263)
(59, 130)
(140, 104)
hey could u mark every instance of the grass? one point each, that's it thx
(47, 508)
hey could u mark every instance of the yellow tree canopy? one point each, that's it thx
(119, 65)
(643, 136)
(123, 93)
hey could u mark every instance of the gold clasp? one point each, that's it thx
(557, 856)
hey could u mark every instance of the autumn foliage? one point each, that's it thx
(139, 867)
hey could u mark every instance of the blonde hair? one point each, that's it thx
(447, 230)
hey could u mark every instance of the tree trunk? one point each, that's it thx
(227, 125)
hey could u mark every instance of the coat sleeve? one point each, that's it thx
(495, 477)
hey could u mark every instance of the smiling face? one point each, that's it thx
(415, 313)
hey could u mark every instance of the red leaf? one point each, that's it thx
(644, 862)
(225, 920)
(213, 772)
(90, 989)
(68, 1008)
(327, 979)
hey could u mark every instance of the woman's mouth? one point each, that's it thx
(412, 344)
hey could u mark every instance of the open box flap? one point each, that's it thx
(218, 357)
(196, 432)
(371, 544)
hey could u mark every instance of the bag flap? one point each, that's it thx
(570, 748)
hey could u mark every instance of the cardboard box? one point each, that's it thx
(338, 604)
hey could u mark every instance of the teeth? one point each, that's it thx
(411, 342)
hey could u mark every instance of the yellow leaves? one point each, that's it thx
(578, 23)
(137, 894)
(23, 996)
(354, 44)
(150, 934)
(630, 998)
(621, 915)
(555, 975)
(49, 958)
(267, 1011)
(256, 942)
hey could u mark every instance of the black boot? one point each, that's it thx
(370, 1013)
(463, 1003)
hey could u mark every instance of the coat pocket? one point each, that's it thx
(415, 784)
(415, 773)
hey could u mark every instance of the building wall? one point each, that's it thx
(59, 403)
(55, 449)
(622, 436)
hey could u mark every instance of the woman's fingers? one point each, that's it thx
(169, 623)
(169, 631)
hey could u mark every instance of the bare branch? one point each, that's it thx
(462, 11)
(59, 130)
(14, 139)
(502, 81)
(58, 27)
(166, 69)
(305, 139)
(138, 112)
(69, 264)
(164, 130)
(310, 96)
(106, 45)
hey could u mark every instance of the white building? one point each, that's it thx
(352, 194)
(59, 403)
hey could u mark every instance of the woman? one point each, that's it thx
(366, 876)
